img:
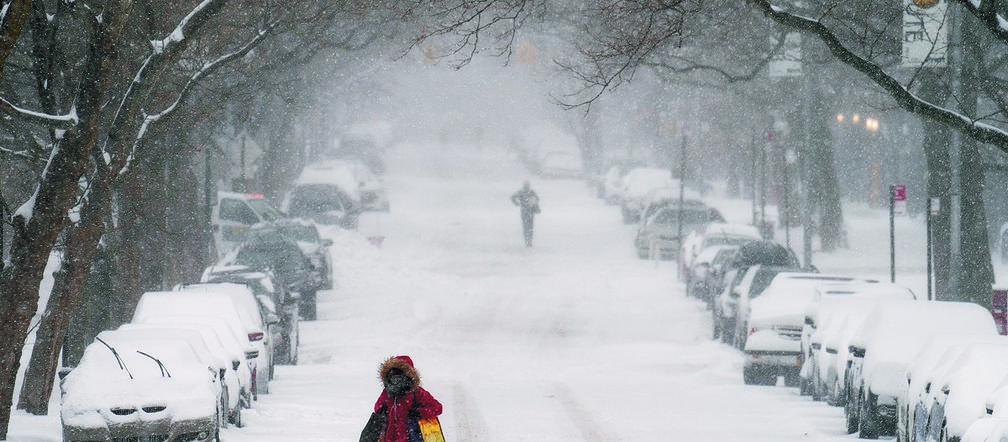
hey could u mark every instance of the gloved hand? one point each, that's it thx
(414, 414)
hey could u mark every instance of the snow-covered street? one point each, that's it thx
(574, 339)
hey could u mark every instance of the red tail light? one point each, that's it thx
(255, 336)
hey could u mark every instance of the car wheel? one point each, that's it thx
(867, 425)
(750, 376)
(236, 417)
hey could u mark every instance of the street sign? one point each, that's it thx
(899, 199)
(925, 33)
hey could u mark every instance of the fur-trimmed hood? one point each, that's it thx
(404, 364)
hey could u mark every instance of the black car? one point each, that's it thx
(274, 298)
(268, 249)
(305, 233)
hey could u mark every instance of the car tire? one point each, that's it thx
(867, 423)
(236, 417)
(750, 376)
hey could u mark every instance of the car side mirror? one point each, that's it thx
(235, 364)
(221, 373)
(945, 389)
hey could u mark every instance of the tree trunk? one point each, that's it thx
(67, 294)
(976, 273)
(36, 229)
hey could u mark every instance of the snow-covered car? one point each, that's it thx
(748, 283)
(162, 307)
(328, 194)
(234, 214)
(305, 233)
(819, 308)
(698, 284)
(561, 164)
(636, 189)
(669, 197)
(769, 327)
(988, 429)
(222, 344)
(274, 298)
(709, 278)
(371, 193)
(125, 389)
(661, 233)
(714, 234)
(884, 346)
(935, 358)
(257, 319)
(612, 185)
(269, 250)
(825, 362)
(234, 396)
(960, 394)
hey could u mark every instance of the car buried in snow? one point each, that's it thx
(125, 389)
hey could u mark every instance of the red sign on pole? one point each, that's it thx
(899, 192)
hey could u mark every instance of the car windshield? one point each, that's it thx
(672, 217)
(304, 233)
(313, 199)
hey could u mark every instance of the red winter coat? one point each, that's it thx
(398, 408)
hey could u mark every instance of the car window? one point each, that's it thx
(236, 211)
(265, 210)
(308, 200)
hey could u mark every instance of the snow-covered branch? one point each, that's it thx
(165, 50)
(204, 72)
(54, 121)
(986, 11)
(904, 98)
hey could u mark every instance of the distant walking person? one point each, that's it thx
(526, 199)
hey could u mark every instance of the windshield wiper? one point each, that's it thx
(122, 365)
(164, 370)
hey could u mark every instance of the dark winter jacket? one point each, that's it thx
(527, 200)
(398, 404)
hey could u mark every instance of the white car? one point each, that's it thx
(819, 307)
(127, 389)
(960, 395)
(161, 307)
(714, 234)
(231, 366)
(257, 319)
(988, 429)
(770, 326)
(933, 360)
(636, 189)
(882, 349)
(235, 213)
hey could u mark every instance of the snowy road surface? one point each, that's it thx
(572, 340)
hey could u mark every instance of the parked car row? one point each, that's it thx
(186, 365)
(899, 366)
(194, 357)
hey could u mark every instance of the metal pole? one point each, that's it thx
(682, 188)
(762, 186)
(892, 234)
(927, 215)
(787, 206)
(752, 172)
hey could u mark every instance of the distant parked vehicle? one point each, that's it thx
(713, 234)
(636, 189)
(273, 297)
(561, 164)
(960, 394)
(664, 230)
(234, 214)
(305, 233)
(125, 389)
(271, 250)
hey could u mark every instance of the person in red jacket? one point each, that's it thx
(403, 399)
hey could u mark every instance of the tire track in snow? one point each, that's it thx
(582, 419)
(469, 422)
